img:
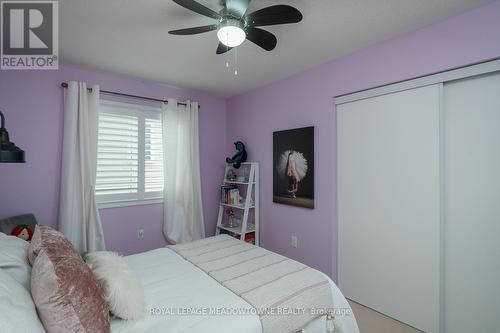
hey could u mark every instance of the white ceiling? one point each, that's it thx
(131, 37)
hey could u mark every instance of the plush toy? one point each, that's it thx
(239, 157)
(22, 231)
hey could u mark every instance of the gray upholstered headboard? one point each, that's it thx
(21, 226)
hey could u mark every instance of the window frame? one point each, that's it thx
(142, 112)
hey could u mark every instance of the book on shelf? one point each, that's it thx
(250, 238)
(230, 195)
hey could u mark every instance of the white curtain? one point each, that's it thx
(79, 217)
(183, 211)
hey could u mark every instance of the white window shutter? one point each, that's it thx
(153, 156)
(129, 154)
(117, 155)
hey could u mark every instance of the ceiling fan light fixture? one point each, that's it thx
(231, 33)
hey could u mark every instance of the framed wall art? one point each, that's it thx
(293, 167)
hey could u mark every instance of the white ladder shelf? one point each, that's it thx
(252, 191)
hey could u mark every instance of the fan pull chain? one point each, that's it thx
(235, 61)
(227, 50)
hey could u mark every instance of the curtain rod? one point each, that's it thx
(106, 92)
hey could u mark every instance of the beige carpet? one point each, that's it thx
(370, 321)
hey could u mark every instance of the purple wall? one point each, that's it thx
(307, 99)
(32, 103)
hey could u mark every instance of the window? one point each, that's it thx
(129, 154)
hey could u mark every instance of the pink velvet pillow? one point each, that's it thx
(66, 294)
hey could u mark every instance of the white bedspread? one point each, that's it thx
(179, 296)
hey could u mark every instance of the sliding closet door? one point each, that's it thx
(472, 204)
(389, 204)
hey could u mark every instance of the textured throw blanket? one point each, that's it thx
(286, 294)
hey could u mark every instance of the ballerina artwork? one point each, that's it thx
(293, 167)
(293, 182)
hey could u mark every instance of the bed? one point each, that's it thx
(170, 283)
(180, 296)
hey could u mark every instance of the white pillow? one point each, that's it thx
(14, 259)
(17, 310)
(123, 290)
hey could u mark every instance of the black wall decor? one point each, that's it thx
(9, 152)
(293, 167)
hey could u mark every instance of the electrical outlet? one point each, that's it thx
(140, 233)
(294, 241)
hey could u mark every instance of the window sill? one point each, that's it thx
(127, 203)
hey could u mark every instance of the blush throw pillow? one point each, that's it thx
(123, 290)
(67, 296)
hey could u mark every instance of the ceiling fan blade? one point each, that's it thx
(262, 38)
(280, 14)
(198, 8)
(222, 48)
(195, 30)
(237, 8)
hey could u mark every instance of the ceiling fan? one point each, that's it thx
(234, 25)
